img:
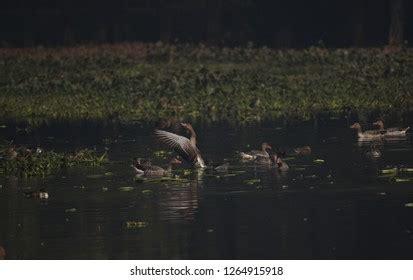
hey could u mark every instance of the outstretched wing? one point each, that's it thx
(181, 145)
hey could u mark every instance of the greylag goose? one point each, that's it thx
(279, 163)
(256, 154)
(183, 146)
(142, 164)
(154, 171)
(391, 131)
(368, 134)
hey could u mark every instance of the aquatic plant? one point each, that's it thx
(22, 161)
(155, 81)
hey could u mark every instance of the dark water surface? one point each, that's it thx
(337, 209)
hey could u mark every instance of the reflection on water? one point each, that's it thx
(331, 204)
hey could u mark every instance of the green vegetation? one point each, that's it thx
(156, 81)
(22, 161)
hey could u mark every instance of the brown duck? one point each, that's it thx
(257, 154)
(150, 170)
(279, 163)
(369, 134)
(183, 146)
(391, 131)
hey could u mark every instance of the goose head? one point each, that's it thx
(356, 126)
(186, 125)
(265, 146)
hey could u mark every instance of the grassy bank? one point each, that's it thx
(150, 82)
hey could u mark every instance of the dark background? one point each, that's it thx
(275, 23)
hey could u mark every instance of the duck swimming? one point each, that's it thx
(256, 154)
(391, 131)
(368, 134)
(41, 193)
(183, 146)
(279, 163)
(150, 170)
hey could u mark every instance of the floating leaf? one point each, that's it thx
(319, 160)
(147, 191)
(139, 179)
(406, 169)
(299, 168)
(136, 224)
(126, 189)
(71, 210)
(402, 180)
(108, 173)
(389, 171)
(289, 158)
(409, 204)
(252, 181)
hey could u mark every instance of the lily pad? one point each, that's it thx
(126, 189)
(389, 170)
(289, 158)
(136, 224)
(139, 179)
(147, 192)
(252, 181)
(402, 180)
(407, 169)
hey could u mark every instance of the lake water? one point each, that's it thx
(337, 209)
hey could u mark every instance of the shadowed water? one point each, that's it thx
(339, 208)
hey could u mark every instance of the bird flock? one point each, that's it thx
(187, 149)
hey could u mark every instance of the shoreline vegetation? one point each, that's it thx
(150, 82)
(27, 162)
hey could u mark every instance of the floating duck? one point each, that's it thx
(153, 170)
(279, 163)
(391, 131)
(41, 193)
(257, 154)
(369, 134)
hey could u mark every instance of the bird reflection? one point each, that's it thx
(180, 201)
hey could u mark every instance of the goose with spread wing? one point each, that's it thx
(183, 146)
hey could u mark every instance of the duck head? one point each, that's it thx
(265, 146)
(186, 125)
(379, 123)
(175, 160)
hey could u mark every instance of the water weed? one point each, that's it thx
(149, 82)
